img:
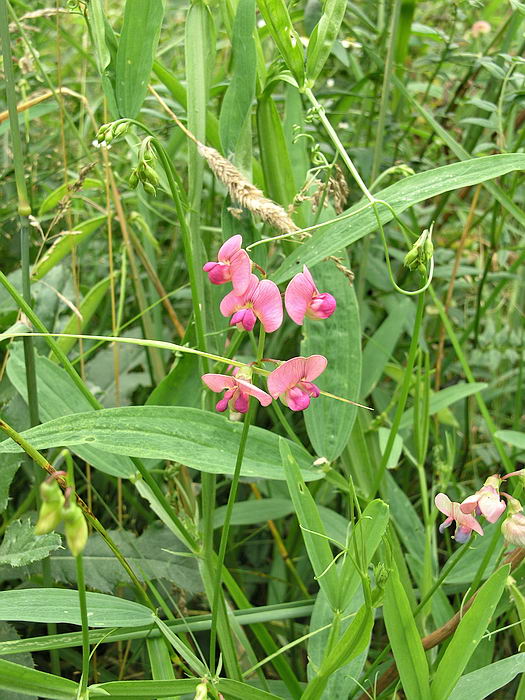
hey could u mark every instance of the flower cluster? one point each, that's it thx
(252, 299)
(56, 507)
(486, 502)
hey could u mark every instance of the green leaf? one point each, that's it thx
(24, 658)
(28, 681)
(323, 37)
(329, 422)
(58, 396)
(468, 635)
(405, 640)
(65, 244)
(279, 23)
(136, 51)
(317, 547)
(243, 691)
(60, 605)
(254, 511)
(402, 195)
(513, 437)
(54, 197)
(236, 105)
(444, 398)
(8, 469)
(481, 683)
(199, 439)
(21, 546)
(143, 689)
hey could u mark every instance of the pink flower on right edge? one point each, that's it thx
(292, 381)
(234, 265)
(464, 523)
(302, 298)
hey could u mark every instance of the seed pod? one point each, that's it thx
(49, 517)
(148, 187)
(133, 179)
(75, 528)
(51, 492)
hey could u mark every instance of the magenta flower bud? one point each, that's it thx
(261, 300)
(302, 298)
(234, 265)
(486, 501)
(292, 381)
(236, 392)
(513, 529)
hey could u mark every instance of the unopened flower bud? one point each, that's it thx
(49, 517)
(50, 491)
(381, 574)
(149, 175)
(133, 179)
(411, 258)
(120, 129)
(75, 528)
(201, 691)
(421, 252)
(148, 187)
(101, 133)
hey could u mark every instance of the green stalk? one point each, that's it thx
(229, 510)
(407, 377)
(83, 691)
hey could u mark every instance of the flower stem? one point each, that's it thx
(83, 691)
(407, 378)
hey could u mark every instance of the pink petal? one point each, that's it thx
(491, 507)
(310, 279)
(242, 403)
(298, 296)
(219, 382)
(444, 504)
(322, 306)
(234, 301)
(297, 400)
(268, 305)
(240, 271)
(261, 396)
(314, 366)
(229, 248)
(467, 521)
(470, 504)
(286, 376)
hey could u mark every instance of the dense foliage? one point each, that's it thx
(262, 294)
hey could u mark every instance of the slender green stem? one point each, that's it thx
(407, 379)
(83, 691)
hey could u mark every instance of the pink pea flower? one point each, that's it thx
(261, 300)
(236, 392)
(234, 265)
(464, 523)
(486, 501)
(302, 298)
(513, 528)
(480, 27)
(292, 381)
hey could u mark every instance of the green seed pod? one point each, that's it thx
(150, 175)
(133, 179)
(148, 187)
(49, 517)
(101, 133)
(411, 258)
(121, 129)
(50, 492)
(75, 528)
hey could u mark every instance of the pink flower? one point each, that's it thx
(486, 501)
(480, 27)
(237, 392)
(292, 381)
(302, 299)
(464, 523)
(261, 300)
(513, 528)
(234, 265)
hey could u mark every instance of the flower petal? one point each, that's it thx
(298, 296)
(443, 503)
(229, 248)
(268, 305)
(240, 271)
(261, 396)
(219, 382)
(314, 366)
(297, 400)
(470, 504)
(233, 301)
(286, 376)
(310, 279)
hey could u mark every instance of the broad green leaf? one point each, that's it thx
(65, 244)
(60, 605)
(317, 547)
(21, 546)
(29, 681)
(405, 640)
(468, 635)
(329, 422)
(395, 454)
(23, 658)
(444, 398)
(136, 51)
(381, 345)
(279, 23)
(362, 545)
(360, 220)
(513, 437)
(481, 683)
(236, 106)
(323, 37)
(199, 439)
(58, 396)
(54, 197)
(87, 308)
(143, 689)
(254, 511)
